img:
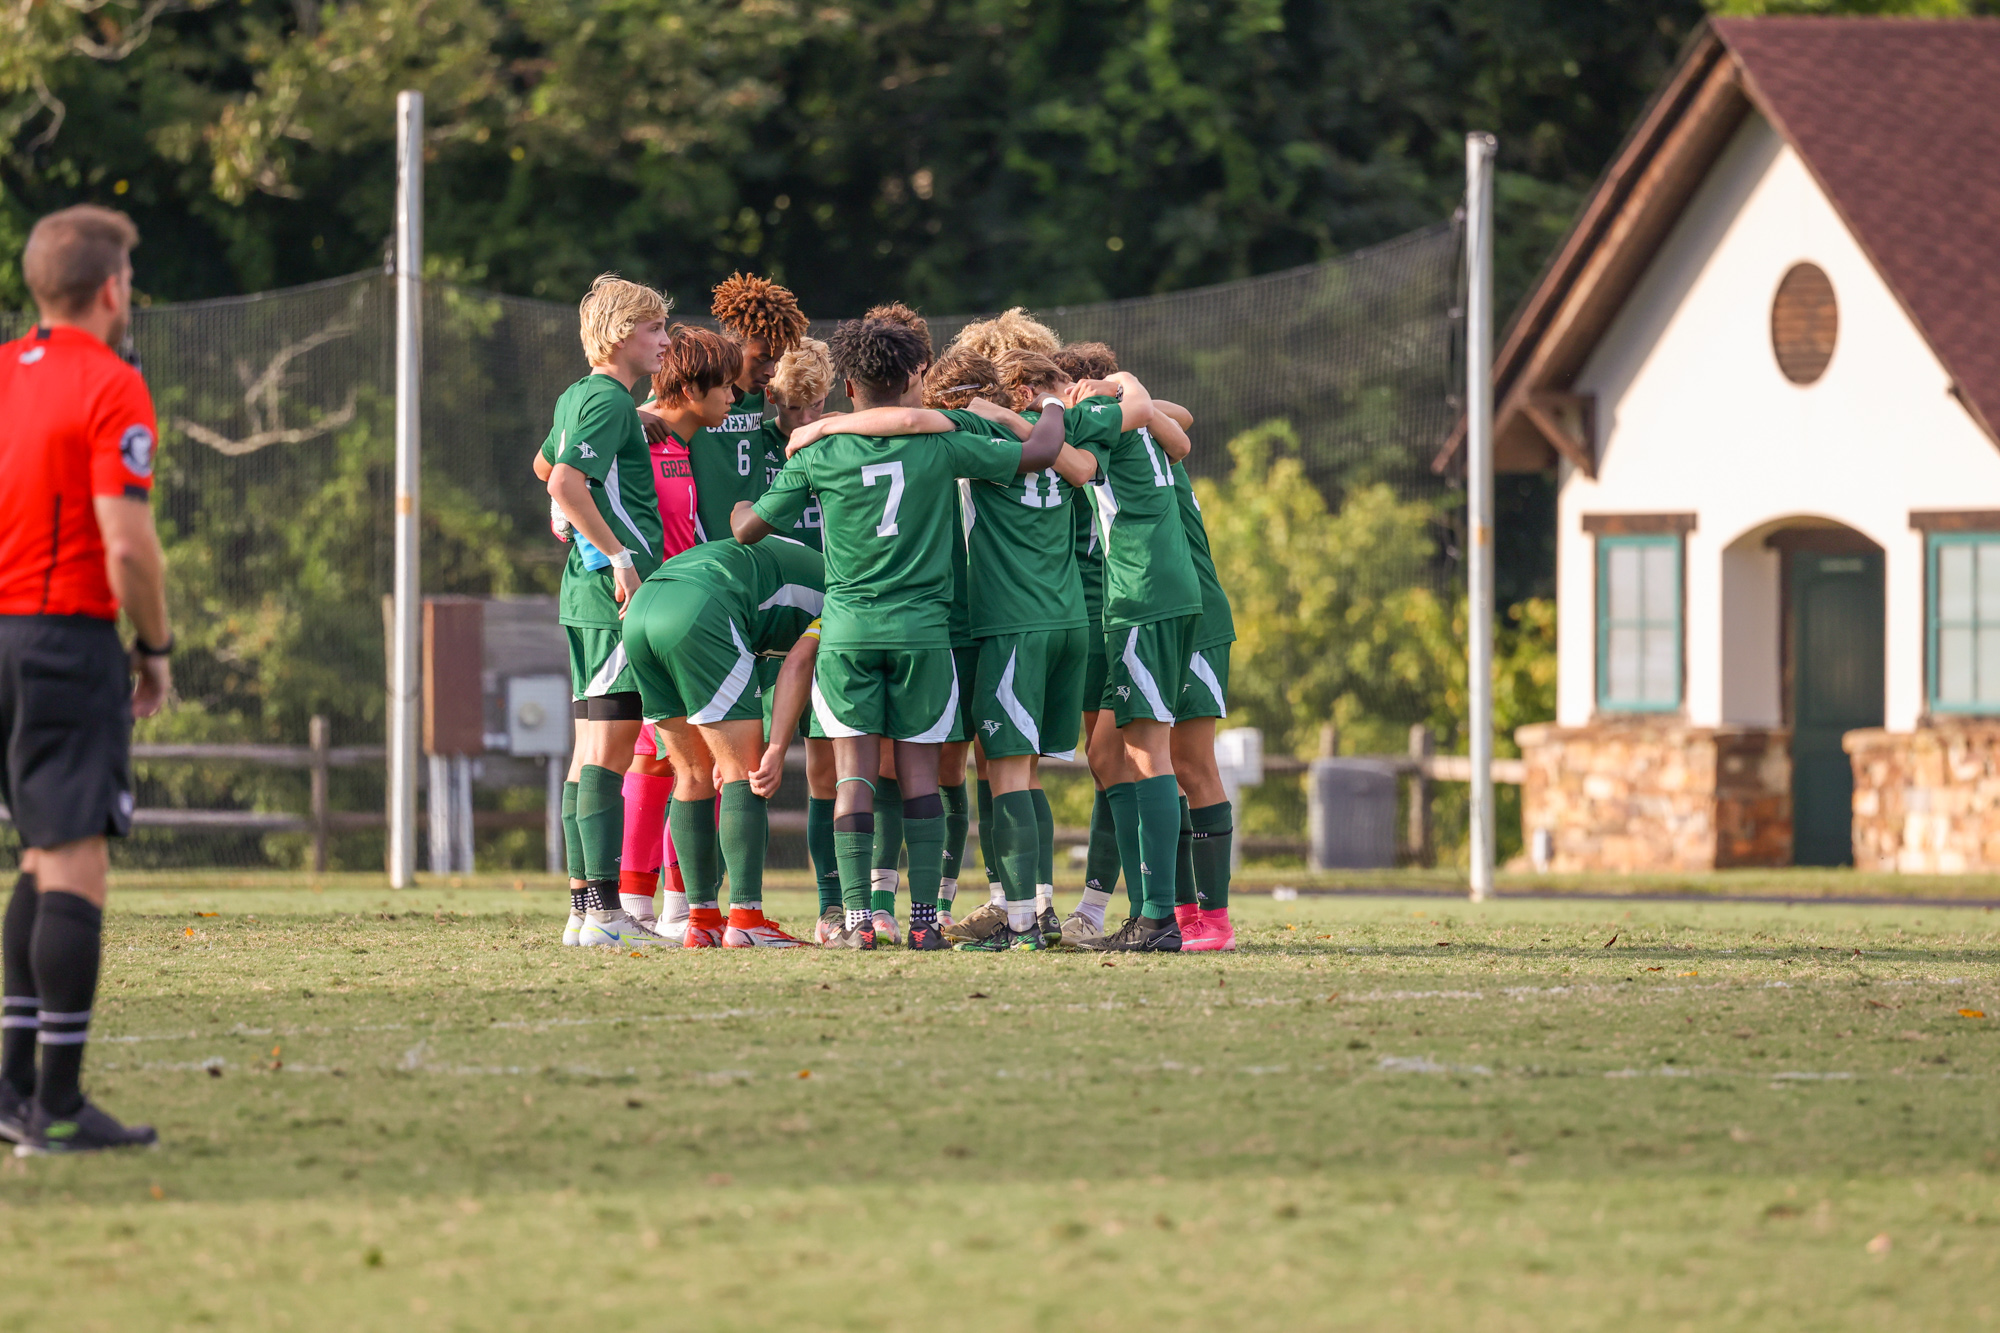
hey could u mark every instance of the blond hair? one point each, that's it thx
(805, 374)
(961, 376)
(1012, 331)
(611, 310)
(1027, 373)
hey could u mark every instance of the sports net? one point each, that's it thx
(1320, 395)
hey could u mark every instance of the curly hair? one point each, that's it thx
(898, 313)
(1027, 373)
(805, 374)
(611, 310)
(1087, 361)
(961, 376)
(697, 361)
(877, 354)
(1014, 329)
(753, 307)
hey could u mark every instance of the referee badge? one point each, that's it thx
(136, 447)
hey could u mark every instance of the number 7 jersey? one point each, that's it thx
(888, 506)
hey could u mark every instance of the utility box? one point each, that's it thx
(538, 720)
(1350, 815)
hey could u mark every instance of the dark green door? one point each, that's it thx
(1837, 687)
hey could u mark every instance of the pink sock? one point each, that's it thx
(1186, 915)
(645, 819)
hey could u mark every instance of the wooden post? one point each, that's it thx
(316, 738)
(1421, 748)
(1329, 740)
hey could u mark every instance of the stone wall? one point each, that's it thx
(1927, 801)
(1657, 794)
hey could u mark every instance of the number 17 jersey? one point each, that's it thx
(888, 507)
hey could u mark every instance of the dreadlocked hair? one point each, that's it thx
(1087, 361)
(697, 361)
(1026, 374)
(804, 375)
(961, 376)
(898, 313)
(878, 355)
(753, 307)
(1015, 329)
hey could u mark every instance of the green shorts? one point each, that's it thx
(1028, 695)
(691, 660)
(767, 692)
(904, 694)
(1144, 667)
(1093, 667)
(598, 664)
(1205, 692)
(965, 661)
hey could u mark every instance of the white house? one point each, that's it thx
(1766, 367)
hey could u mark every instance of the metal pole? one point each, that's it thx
(439, 797)
(461, 813)
(403, 690)
(556, 853)
(1479, 152)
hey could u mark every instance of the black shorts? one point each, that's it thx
(66, 721)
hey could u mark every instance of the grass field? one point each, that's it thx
(416, 1110)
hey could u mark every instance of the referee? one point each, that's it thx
(76, 543)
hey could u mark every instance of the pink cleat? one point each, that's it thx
(1188, 917)
(1212, 933)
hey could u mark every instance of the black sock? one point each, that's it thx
(602, 895)
(18, 1027)
(579, 900)
(68, 944)
(923, 914)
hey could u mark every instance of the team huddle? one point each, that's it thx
(995, 558)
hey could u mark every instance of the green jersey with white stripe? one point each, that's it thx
(1148, 572)
(1089, 551)
(1217, 625)
(728, 465)
(775, 588)
(889, 506)
(597, 432)
(774, 438)
(1020, 560)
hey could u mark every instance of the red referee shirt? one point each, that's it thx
(75, 422)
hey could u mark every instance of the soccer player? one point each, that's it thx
(1013, 331)
(599, 471)
(77, 543)
(727, 458)
(694, 634)
(884, 670)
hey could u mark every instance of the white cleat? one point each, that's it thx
(675, 928)
(617, 930)
(885, 929)
(573, 932)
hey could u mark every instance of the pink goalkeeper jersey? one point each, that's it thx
(674, 480)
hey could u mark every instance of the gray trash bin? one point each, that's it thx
(1350, 815)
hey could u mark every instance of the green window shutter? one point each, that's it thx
(1962, 622)
(1639, 623)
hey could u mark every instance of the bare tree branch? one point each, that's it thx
(263, 402)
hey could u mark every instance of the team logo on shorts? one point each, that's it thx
(1125, 691)
(135, 446)
(989, 726)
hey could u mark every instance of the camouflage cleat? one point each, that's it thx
(978, 925)
(1078, 932)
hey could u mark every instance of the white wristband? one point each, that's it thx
(621, 560)
(1052, 400)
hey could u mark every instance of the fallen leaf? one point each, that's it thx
(1881, 1244)
(1972, 1013)
(1444, 944)
(1690, 974)
(190, 932)
(1877, 1004)
(1220, 982)
(1608, 943)
(215, 1071)
(978, 995)
(1107, 963)
(157, 1192)
(1655, 969)
(204, 914)
(637, 954)
(805, 1073)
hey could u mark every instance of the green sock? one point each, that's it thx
(852, 851)
(956, 821)
(887, 852)
(1100, 867)
(1159, 803)
(693, 823)
(987, 856)
(746, 833)
(572, 835)
(1214, 830)
(1016, 841)
(600, 821)
(1123, 797)
(1184, 894)
(1045, 824)
(819, 841)
(926, 842)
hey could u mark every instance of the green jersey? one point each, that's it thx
(889, 506)
(776, 587)
(597, 432)
(774, 439)
(1148, 573)
(1089, 553)
(1217, 625)
(1019, 551)
(728, 465)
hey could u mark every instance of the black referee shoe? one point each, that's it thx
(86, 1129)
(14, 1112)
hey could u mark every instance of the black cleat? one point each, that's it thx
(14, 1112)
(852, 937)
(86, 1129)
(1143, 934)
(1050, 925)
(926, 939)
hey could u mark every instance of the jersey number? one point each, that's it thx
(894, 472)
(1030, 495)
(1160, 477)
(743, 458)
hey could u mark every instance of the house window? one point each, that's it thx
(1965, 622)
(1639, 623)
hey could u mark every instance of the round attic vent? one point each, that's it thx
(1805, 321)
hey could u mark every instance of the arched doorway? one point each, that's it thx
(1832, 666)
